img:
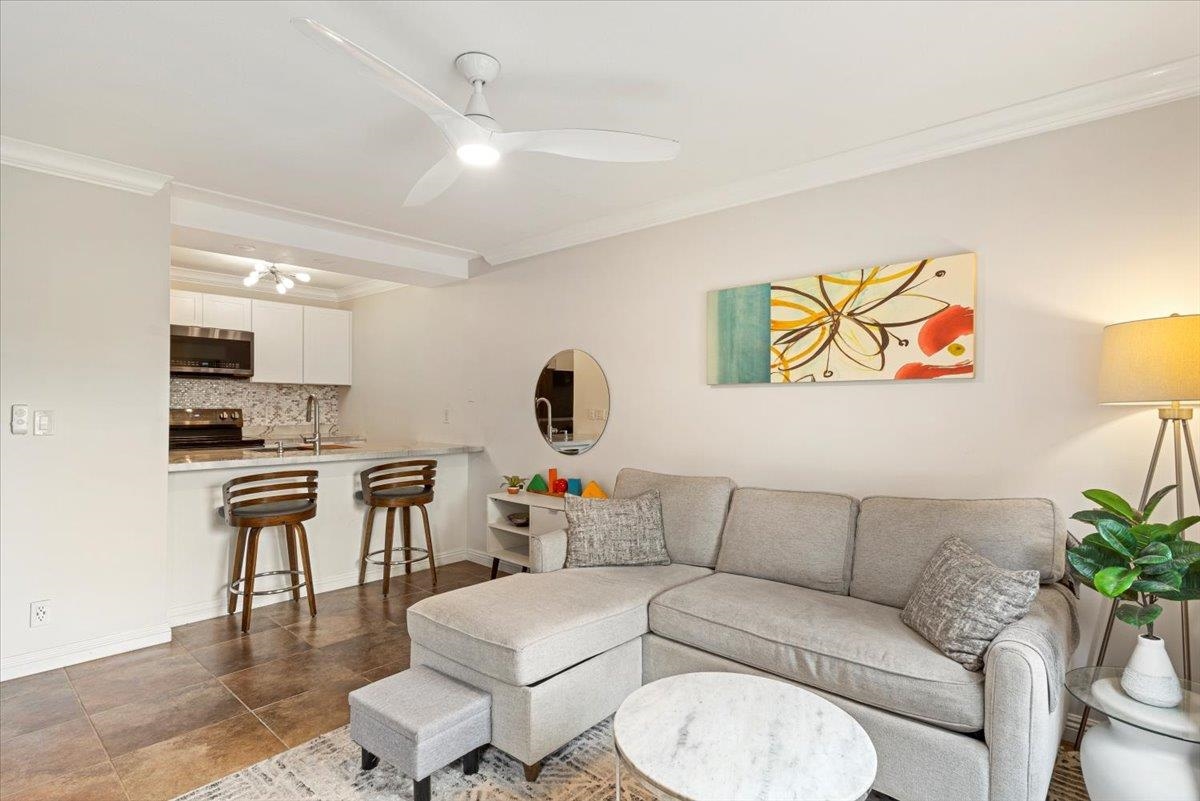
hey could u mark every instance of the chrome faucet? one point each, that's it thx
(312, 414)
(549, 416)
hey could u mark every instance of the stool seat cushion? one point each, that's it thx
(400, 492)
(271, 509)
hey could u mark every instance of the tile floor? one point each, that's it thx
(154, 723)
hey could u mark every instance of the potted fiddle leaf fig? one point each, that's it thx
(1139, 563)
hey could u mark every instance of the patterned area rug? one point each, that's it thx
(327, 768)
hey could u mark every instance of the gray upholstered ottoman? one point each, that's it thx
(420, 720)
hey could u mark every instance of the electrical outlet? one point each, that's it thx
(39, 614)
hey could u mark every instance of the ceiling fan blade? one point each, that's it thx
(458, 129)
(436, 180)
(581, 143)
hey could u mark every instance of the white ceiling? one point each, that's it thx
(229, 97)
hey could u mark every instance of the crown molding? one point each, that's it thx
(188, 192)
(1163, 84)
(358, 289)
(78, 167)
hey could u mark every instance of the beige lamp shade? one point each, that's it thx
(1151, 361)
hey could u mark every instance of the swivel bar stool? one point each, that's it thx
(392, 486)
(252, 503)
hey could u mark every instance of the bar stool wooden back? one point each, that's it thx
(251, 503)
(392, 486)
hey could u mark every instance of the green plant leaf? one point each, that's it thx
(1183, 524)
(1094, 516)
(1113, 503)
(1137, 615)
(1189, 588)
(1173, 566)
(1088, 559)
(1167, 582)
(1117, 535)
(1153, 500)
(1153, 554)
(1113, 581)
(1099, 542)
(1185, 551)
(1146, 533)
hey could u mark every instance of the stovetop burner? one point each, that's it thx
(208, 429)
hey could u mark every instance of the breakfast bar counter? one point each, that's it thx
(201, 544)
(269, 459)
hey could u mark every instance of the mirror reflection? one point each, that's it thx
(570, 402)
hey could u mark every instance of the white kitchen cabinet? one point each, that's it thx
(187, 308)
(278, 342)
(327, 345)
(225, 311)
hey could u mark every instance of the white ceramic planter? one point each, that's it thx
(1149, 676)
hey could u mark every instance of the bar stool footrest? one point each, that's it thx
(424, 554)
(236, 588)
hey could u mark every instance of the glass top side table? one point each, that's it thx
(1164, 743)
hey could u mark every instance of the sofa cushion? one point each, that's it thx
(804, 538)
(850, 647)
(523, 628)
(693, 511)
(896, 538)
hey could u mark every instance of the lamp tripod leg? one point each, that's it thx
(1183, 432)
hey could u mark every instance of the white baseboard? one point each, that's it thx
(1071, 726)
(190, 613)
(26, 664)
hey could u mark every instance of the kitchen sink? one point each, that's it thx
(325, 446)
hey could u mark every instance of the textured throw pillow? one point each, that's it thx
(962, 602)
(614, 531)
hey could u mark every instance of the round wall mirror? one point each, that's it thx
(570, 402)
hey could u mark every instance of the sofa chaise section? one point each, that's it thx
(523, 628)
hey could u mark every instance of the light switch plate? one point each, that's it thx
(43, 422)
(19, 422)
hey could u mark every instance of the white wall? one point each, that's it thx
(1074, 229)
(83, 331)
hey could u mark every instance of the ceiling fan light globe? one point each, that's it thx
(287, 282)
(250, 280)
(303, 278)
(478, 155)
(261, 267)
(281, 289)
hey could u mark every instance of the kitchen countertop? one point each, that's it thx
(214, 459)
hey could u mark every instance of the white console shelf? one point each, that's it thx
(510, 544)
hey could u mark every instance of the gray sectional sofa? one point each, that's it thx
(801, 586)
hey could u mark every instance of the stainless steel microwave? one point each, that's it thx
(211, 352)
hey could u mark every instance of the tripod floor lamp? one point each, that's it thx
(1156, 363)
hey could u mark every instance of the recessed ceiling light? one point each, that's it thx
(246, 248)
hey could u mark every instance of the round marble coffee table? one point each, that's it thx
(729, 736)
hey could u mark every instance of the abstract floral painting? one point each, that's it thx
(914, 320)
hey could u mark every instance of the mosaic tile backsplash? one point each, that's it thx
(278, 408)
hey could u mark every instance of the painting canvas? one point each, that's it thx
(914, 320)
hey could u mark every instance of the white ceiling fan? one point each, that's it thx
(475, 138)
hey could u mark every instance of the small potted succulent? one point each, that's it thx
(1140, 563)
(513, 484)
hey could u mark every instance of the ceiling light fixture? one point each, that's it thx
(478, 155)
(283, 280)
